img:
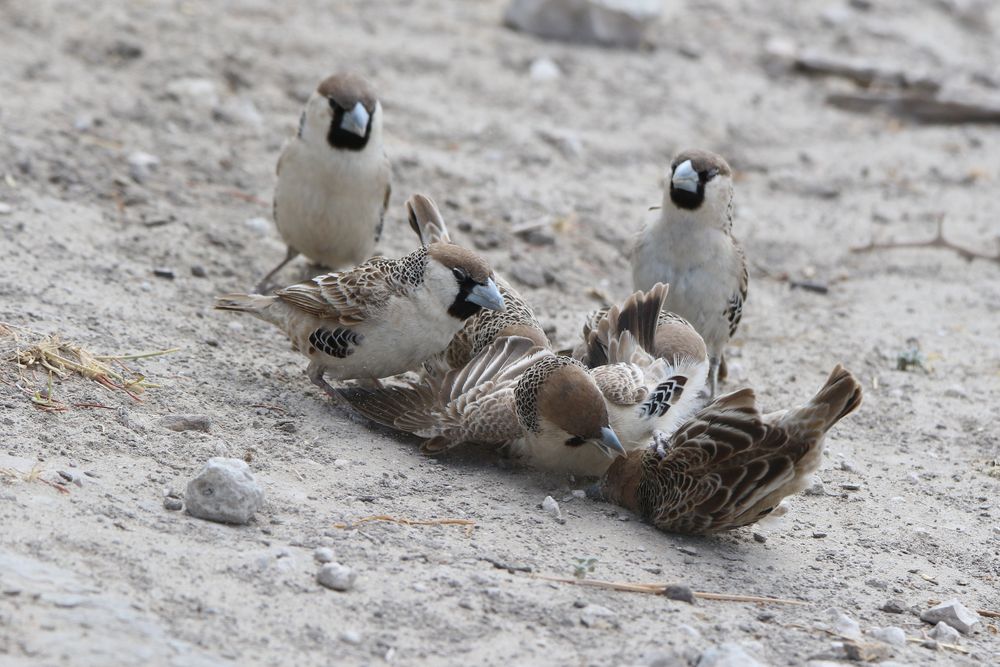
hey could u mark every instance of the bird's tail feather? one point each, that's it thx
(426, 220)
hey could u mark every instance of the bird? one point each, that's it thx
(691, 246)
(382, 318)
(480, 330)
(651, 365)
(334, 177)
(729, 466)
(545, 409)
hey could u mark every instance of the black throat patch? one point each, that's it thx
(687, 199)
(340, 138)
(461, 308)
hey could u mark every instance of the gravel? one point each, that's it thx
(336, 577)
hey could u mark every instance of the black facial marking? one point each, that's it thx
(575, 441)
(338, 343)
(461, 308)
(340, 138)
(691, 200)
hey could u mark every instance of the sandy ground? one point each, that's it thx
(104, 575)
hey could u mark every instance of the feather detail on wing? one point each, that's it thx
(348, 298)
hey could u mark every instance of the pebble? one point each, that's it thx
(844, 624)
(261, 226)
(336, 577)
(141, 165)
(894, 606)
(956, 391)
(350, 637)
(727, 655)
(690, 551)
(164, 272)
(173, 504)
(609, 22)
(323, 555)
(198, 271)
(551, 506)
(890, 635)
(544, 69)
(185, 422)
(5, 209)
(679, 592)
(818, 535)
(194, 92)
(913, 478)
(759, 537)
(594, 615)
(815, 487)
(224, 490)
(579, 494)
(850, 486)
(530, 274)
(952, 612)
(73, 477)
(945, 634)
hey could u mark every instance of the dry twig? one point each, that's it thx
(939, 241)
(657, 589)
(920, 108)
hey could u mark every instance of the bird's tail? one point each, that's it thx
(257, 305)
(630, 329)
(839, 397)
(426, 220)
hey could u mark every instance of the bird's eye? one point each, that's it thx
(710, 174)
(459, 274)
(575, 441)
(333, 105)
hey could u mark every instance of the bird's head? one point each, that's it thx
(343, 113)
(700, 184)
(462, 280)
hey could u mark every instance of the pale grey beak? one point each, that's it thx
(685, 177)
(355, 121)
(610, 444)
(487, 296)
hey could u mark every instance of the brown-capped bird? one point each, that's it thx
(486, 326)
(545, 408)
(333, 177)
(691, 247)
(385, 317)
(651, 365)
(729, 466)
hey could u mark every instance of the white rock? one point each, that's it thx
(952, 612)
(194, 92)
(260, 225)
(141, 164)
(890, 635)
(913, 478)
(956, 391)
(815, 487)
(5, 209)
(844, 624)
(552, 507)
(350, 637)
(580, 493)
(544, 69)
(594, 615)
(944, 633)
(323, 555)
(224, 490)
(336, 576)
(241, 111)
(609, 22)
(728, 655)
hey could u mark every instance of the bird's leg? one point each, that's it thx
(315, 373)
(723, 368)
(265, 281)
(713, 376)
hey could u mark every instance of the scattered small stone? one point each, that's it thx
(844, 624)
(544, 69)
(198, 271)
(185, 422)
(890, 635)
(594, 615)
(530, 274)
(913, 478)
(727, 655)
(765, 616)
(551, 506)
(877, 583)
(930, 643)
(259, 225)
(956, 391)
(847, 466)
(759, 537)
(894, 606)
(323, 555)
(141, 165)
(224, 490)
(194, 92)
(815, 487)
(945, 634)
(850, 486)
(690, 551)
(818, 534)
(5, 209)
(679, 592)
(610, 22)
(164, 272)
(952, 612)
(578, 494)
(336, 577)
(341, 463)
(173, 504)
(73, 477)
(350, 637)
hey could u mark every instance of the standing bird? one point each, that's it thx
(651, 365)
(691, 247)
(730, 466)
(385, 317)
(486, 326)
(333, 177)
(545, 408)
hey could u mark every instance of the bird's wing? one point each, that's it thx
(734, 311)
(621, 384)
(348, 298)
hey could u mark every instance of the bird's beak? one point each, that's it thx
(487, 296)
(355, 121)
(610, 444)
(685, 177)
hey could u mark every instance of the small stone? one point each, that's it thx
(610, 22)
(224, 490)
(323, 555)
(877, 583)
(727, 655)
(238, 111)
(258, 225)
(164, 272)
(945, 634)
(956, 391)
(141, 165)
(5, 209)
(815, 487)
(185, 422)
(551, 506)
(341, 463)
(350, 637)
(336, 576)
(579, 494)
(850, 486)
(544, 69)
(759, 537)
(530, 274)
(890, 635)
(952, 612)
(679, 592)
(894, 606)
(173, 504)
(844, 625)
(818, 534)
(847, 466)
(198, 271)
(594, 615)
(690, 551)
(194, 92)
(913, 478)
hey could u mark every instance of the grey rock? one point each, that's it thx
(350, 637)
(890, 635)
(952, 612)
(141, 165)
(945, 634)
(185, 422)
(258, 225)
(679, 592)
(5, 209)
(815, 487)
(323, 555)
(173, 504)
(550, 506)
(544, 69)
(194, 93)
(609, 22)
(336, 577)
(239, 111)
(843, 624)
(224, 490)
(894, 606)
(728, 655)
(594, 615)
